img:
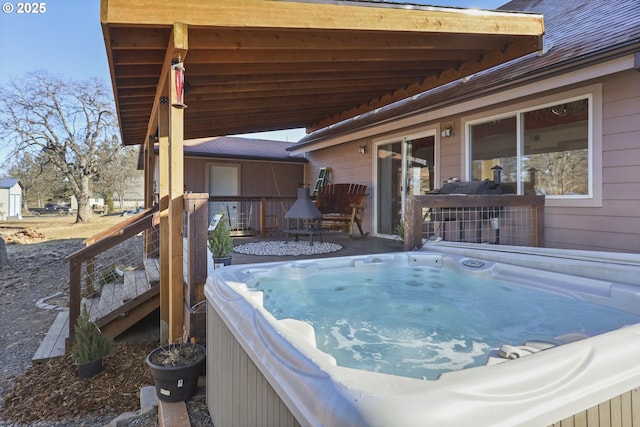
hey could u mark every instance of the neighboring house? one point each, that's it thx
(10, 199)
(133, 196)
(564, 123)
(233, 166)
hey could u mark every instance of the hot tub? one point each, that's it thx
(265, 371)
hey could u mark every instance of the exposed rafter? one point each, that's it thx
(260, 65)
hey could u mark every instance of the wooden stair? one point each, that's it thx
(119, 306)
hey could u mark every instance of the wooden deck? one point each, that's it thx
(53, 344)
(119, 306)
(141, 290)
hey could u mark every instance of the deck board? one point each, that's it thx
(135, 283)
(110, 298)
(53, 344)
(152, 267)
(113, 295)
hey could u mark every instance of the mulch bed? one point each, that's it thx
(54, 391)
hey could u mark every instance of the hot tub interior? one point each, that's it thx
(423, 315)
(264, 327)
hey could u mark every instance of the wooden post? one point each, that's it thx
(90, 284)
(75, 298)
(413, 224)
(539, 212)
(150, 236)
(171, 135)
(197, 214)
(263, 217)
(176, 211)
(163, 135)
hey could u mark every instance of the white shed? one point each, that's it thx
(10, 199)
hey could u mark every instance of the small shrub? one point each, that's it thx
(219, 239)
(90, 343)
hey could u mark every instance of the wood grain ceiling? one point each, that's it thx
(258, 65)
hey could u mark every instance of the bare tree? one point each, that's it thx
(40, 181)
(65, 123)
(120, 174)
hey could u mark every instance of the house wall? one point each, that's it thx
(257, 178)
(616, 225)
(347, 166)
(11, 202)
(4, 203)
(612, 224)
(15, 202)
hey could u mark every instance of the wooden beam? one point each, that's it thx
(464, 70)
(278, 68)
(213, 56)
(149, 169)
(297, 15)
(177, 47)
(260, 39)
(150, 236)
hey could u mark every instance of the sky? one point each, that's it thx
(65, 39)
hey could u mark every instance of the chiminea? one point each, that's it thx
(304, 208)
(305, 216)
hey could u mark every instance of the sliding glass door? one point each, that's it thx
(403, 168)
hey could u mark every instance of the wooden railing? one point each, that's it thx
(500, 215)
(196, 222)
(262, 214)
(258, 214)
(95, 246)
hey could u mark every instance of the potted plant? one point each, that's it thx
(90, 346)
(175, 369)
(219, 240)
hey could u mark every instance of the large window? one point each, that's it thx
(542, 151)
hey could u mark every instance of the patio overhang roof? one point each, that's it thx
(260, 65)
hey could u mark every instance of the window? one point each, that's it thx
(541, 151)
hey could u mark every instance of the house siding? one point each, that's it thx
(257, 178)
(347, 166)
(4, 203)
(615, 226)
(612, 226)
(11, 202)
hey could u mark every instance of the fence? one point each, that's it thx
(99, 274)
(251, 215)
(497, 219)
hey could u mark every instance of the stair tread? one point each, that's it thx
(53, 344)
(112, 296)
(135, 283)
(152, 268)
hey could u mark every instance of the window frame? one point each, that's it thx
(593, 94)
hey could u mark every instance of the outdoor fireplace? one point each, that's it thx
(303, 217)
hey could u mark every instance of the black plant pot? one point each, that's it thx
(90, 369)
(222, 261)
(176, 383)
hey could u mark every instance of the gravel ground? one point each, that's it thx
(36, 273)
(33, 287)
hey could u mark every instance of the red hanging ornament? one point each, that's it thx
(179, 82)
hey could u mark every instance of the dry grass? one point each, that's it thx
(61, 227)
